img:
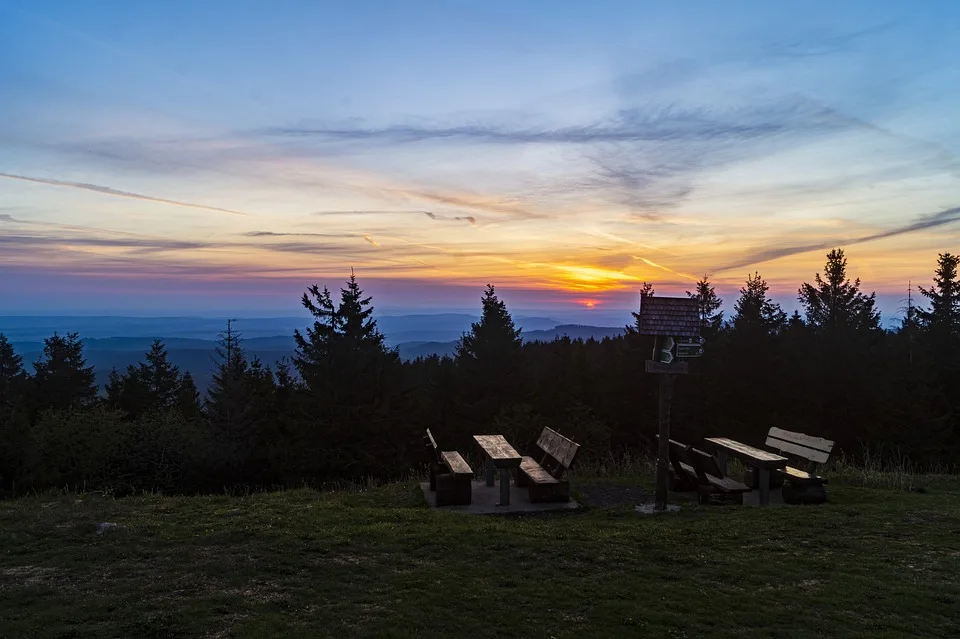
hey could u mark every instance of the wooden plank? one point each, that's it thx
(456, 463)
(800, 451)
(819, 443)
(557, 446)
(753, 456)
(433, 442)
(800, 475)
(536, 473)
(498, 450)
(705, 467)
(705, 461)
(727, 484)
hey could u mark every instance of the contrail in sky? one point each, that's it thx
(106, 190)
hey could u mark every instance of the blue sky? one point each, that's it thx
(207, 156)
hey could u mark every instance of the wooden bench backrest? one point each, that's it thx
(432, 444)
(704, 463)
(813, 449)
(560, 450)
(678, 455)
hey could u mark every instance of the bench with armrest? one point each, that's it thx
(543, 477)
(450, 475)
(801, 485)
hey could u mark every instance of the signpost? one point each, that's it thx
(674, 322)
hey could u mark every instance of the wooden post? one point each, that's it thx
(663, 455)
(504, 487)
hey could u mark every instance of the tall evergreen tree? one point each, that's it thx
(488, 361)
(942, 320)
(62, 379)
(709, 304)
(154, 385)
(343, 356)
(835, 305)
(755, 314)
(13, 418)
(492, 340)
(351, 378)
(12, 376)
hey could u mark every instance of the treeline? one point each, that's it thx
(346, 407)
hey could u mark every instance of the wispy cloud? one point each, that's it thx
(106, 190)
(142, 244)
(923, 222)
(458, 218)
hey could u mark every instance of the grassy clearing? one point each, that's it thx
(872, 562)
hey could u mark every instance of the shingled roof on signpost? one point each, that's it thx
(669, 316)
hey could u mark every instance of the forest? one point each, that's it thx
(347, 408)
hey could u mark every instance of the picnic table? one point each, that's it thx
(500, 454)
(758, 458)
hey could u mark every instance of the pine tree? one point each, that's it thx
(755, 314)
(343, 356)
(494, 338)
(488, 361)
(62, 379)
(226, 398)
(188, 398)
(942, 321)
(351, 380)
(13, 419)
(13, 378)
(836, 305)
(154, 385)
(709, 303)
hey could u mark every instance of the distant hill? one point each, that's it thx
(191, 342)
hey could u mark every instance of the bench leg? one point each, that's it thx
(504, 487)
(490, 472)
(764, 486)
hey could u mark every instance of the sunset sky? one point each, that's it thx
(210, 156)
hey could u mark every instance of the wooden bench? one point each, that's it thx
(801, 486)
(451, 477)
(544, 478)
(699, 468)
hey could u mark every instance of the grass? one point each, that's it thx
(873, 562)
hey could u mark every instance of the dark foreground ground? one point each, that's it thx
(877, 563)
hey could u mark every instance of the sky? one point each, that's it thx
(198, 157)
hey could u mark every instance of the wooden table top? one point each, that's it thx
(754, 456)
(499, 450)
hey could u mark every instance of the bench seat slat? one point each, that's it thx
(795, 474)
(535, 472)
(728, 484)
(456, 463)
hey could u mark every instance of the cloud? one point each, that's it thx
(459, 218)
(370, 240)
(297, 234)
(143, 244)
(4, 217)
(629, 125)
(921, 223)
(106, 190)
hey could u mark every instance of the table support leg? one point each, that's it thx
(764, 486)
(490, 472)
(504, 486)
